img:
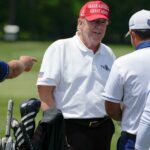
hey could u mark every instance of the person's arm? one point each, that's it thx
(46, 94)
(113, 110)
(16, 67)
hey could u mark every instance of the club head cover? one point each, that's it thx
(18, 134)
(28, 110)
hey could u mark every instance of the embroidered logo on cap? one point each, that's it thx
(94, 10)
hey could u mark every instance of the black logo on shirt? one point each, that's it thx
(105, 67)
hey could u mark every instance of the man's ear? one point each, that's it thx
(135, 38)
(133, 35)
(80, 21)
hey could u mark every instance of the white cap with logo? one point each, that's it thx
(140, 21)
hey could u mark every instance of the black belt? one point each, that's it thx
(93, 122)
(129, 135)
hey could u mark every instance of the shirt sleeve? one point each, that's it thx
(4, 70)
(143, 135)
(114, 87)
(50, 68)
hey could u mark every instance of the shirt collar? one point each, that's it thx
(143, 45)
(82, 46)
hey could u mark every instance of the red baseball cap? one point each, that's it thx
(94, 10)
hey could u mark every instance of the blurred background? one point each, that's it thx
(27, 27)
(53, 19)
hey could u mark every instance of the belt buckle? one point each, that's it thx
(92, 123)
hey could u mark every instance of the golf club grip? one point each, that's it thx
(9, 118)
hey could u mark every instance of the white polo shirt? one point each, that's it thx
(79, 77)
(127, 84)
(143, 135)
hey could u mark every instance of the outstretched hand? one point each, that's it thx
(17, 67)
(28, 62)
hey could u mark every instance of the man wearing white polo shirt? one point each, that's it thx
(73, 75)
(126, 87)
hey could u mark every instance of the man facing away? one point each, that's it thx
(125, 91)
(72, 78)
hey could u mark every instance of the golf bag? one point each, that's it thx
(49, 134)
(23, 130)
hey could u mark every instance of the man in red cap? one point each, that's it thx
(72, 78)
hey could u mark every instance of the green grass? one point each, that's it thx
(24, 86)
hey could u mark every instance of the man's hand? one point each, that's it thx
(28, 61)
(16, 67)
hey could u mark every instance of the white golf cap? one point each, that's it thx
(140, 21)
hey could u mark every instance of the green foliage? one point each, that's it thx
(52, 19)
